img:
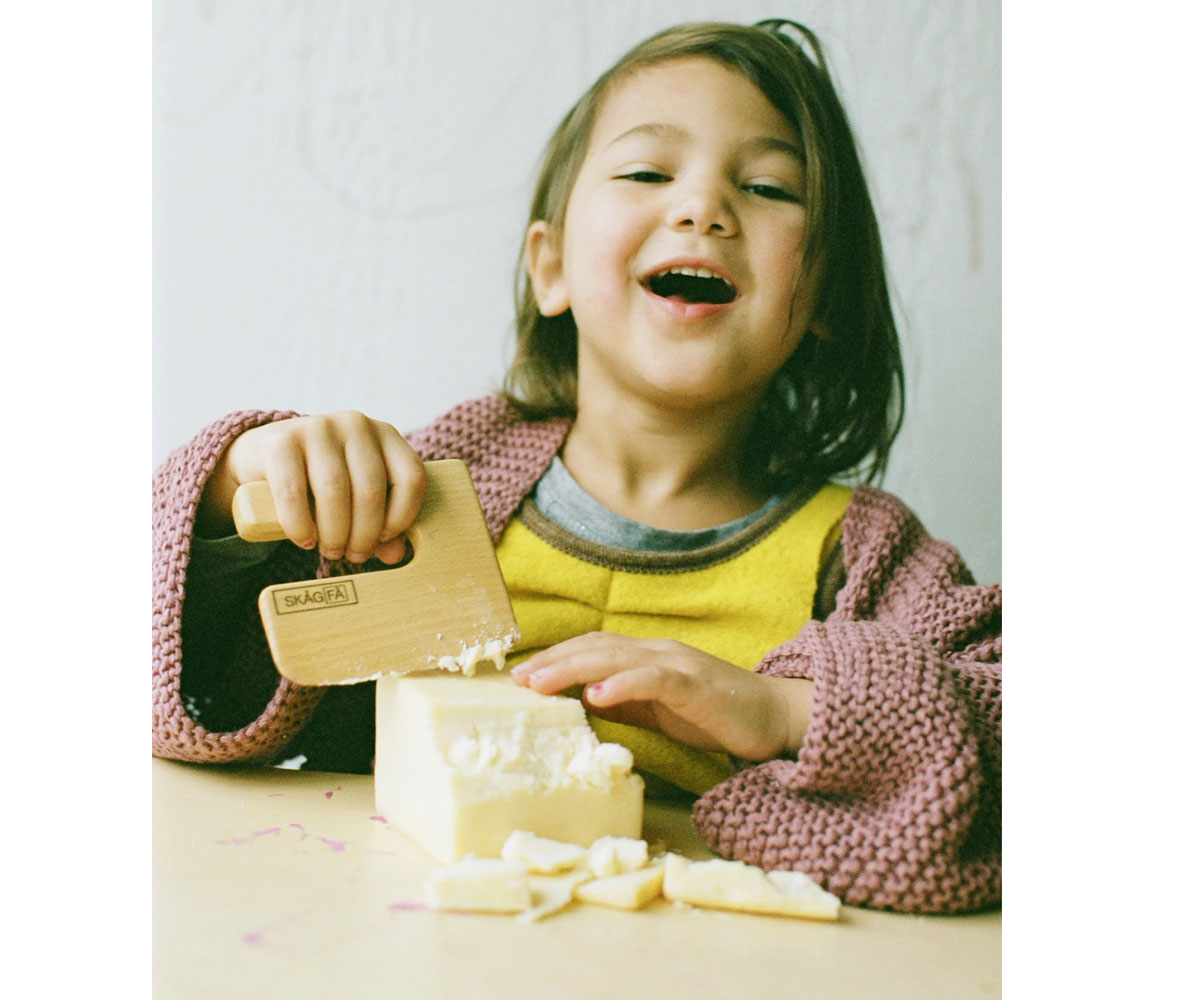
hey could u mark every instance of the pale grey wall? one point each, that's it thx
(340, 188)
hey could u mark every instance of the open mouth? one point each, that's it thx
(691, 284)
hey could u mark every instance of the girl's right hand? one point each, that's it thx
(342, 482)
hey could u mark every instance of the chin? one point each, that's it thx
(694, 394)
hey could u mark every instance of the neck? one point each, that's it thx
(678, 470)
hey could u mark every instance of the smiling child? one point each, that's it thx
(707, 375)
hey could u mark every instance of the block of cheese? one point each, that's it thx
(461, 762)
(734, 885)
(628, 891)
(487, 885)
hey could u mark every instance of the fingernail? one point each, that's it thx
(594, 689)
(308, 543)
(356, 557)
(333, 554)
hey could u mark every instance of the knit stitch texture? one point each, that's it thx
(894, 801)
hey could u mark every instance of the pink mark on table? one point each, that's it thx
(379, 819)
(408, 906)
(333, 845)
(252, 937)
(329, 795)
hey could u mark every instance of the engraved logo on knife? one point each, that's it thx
(316, 597)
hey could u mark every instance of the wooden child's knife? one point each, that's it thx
(447, 607)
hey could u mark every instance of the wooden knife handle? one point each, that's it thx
(254, 513)
(448, 490)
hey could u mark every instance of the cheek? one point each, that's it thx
(793, 291)
(600, 247)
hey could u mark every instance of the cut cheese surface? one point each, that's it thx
(461, 762)
(734, 885)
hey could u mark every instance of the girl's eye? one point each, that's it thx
(772, 192)
(644, 177)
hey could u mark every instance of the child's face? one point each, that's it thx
(689, 166)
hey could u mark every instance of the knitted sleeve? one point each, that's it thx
(217, 696)
(894, 799)
(254, 712)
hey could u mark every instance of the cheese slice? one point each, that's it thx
(541, 855)
(613, 855)
(551, 893)
(461, 762)
(734, 885)
(487, 885)
(628, 891)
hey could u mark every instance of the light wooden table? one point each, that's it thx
(273, 883)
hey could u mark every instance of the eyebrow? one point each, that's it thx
(673, 133)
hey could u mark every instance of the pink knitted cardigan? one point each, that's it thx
(894, 801)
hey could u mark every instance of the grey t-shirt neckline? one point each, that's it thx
(565, 503)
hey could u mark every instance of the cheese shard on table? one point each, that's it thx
(734, 885)
(541, 855)
(614, 855)
(461, 762)
(628, 891)
(551, 893)
(486, 885)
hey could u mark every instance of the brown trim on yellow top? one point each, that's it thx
(638, 561)
(830, 579)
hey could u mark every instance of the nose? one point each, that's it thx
(701, 207)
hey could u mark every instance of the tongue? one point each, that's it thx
(681, 307)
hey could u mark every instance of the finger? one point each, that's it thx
(629, 713)
(553, 656)
(406, 478)
(642, 684)
(368, 495)
(392, 552)
(608, 643)
(588, 659)
(287, 475)
(329, 480)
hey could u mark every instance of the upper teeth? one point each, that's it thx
(696, 272)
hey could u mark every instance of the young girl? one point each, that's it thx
(705, 344)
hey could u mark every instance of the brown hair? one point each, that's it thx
(834, 408)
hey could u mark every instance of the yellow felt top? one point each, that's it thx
(737, 600)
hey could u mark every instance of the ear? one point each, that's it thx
(543, 261)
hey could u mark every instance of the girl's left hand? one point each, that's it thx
(679, 690)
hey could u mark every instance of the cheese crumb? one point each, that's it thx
(469, 657)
